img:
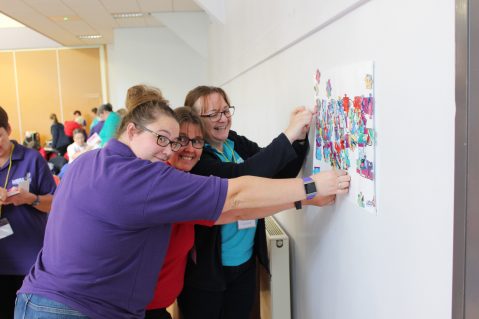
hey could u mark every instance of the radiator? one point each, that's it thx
(275, 291)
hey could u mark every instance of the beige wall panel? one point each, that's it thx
(80, 81)
(8, 95)
(38, 90)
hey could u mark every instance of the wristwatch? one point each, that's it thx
(309, 187)
(36, 201)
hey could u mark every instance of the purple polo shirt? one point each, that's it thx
(19, 251)
(109, 227)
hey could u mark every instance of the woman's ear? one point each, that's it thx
(131, 130)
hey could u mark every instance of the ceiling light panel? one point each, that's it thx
(129, 15)
(89, 36)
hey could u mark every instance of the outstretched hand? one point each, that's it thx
(332, 182)
(299, 123)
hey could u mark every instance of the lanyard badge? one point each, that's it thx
(5, 228)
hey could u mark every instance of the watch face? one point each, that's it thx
(310, 188)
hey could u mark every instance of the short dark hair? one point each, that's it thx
(105, 107)
(77, 113)
(4, 119)
(94, 110)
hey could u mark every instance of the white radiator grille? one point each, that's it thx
(275, 290)
(272, 227)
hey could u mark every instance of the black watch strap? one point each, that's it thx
(298, 205)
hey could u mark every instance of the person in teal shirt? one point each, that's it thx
(112, 121)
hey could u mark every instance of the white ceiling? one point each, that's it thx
(87, 17)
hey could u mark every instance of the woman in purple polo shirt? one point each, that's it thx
(22, 170)
(111, 218)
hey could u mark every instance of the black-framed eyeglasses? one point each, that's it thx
(162, 140)
(195, 142)
(216, 116)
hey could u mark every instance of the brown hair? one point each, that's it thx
(140, 93)
(144, 114)
(202, 92)
(4, 119)
(188, 115)
(54, 118)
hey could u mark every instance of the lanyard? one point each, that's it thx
(225, 157)
(8, 174)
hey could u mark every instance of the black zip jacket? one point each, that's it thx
(279, 159)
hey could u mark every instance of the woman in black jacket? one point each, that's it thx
(60, 141)
(220, 279)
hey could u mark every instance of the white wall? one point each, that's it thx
(155, 56)
(347, 263)
(24, 38)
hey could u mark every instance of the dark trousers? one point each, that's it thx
(236, 302)
(161, 313)
(9, 284)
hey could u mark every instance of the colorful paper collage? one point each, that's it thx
(345, 135)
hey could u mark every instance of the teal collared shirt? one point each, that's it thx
(236, 244)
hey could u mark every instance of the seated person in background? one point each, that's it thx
(32, 140)
(112, 121)
(79, 146)
(60, 140)
(78, 118)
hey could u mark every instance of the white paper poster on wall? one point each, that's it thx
(345, 135)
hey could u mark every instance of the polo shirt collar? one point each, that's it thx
(228, 142)
(120, 148)
(18, 152)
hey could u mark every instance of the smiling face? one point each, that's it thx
(79, 139)
(187, 157)
(217, 131)
(143, 143)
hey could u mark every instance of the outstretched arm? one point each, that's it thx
(254, 192)
(240, 214)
